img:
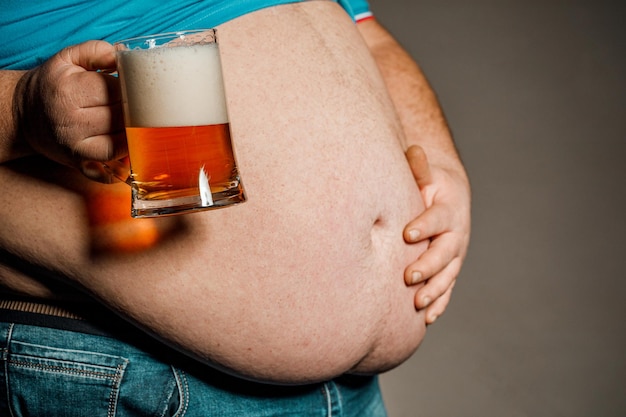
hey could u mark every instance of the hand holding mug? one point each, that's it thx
(69, 111)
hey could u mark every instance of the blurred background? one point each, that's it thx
(535, 93)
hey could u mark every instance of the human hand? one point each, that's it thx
(446, 223)
(71, 113)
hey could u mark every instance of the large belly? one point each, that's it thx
(304, 280)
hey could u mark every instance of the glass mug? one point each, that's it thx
(177, 127)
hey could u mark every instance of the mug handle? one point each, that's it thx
(119, 170)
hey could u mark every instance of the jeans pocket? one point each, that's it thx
(44, 381)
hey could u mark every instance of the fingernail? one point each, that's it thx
(92, 169)
(432, 318)
(414, 235)
(416, 277)
(426, 302)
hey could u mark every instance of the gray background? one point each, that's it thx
(535, 93)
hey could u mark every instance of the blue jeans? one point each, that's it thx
(49, 372)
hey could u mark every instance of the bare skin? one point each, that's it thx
(301, 283)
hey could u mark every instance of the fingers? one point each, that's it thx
(94, 133)
(103, 147)
(98, 125)
(93, 89)
(89, 120)
(440, 254)
(438, 284)
(438, 307)
(439, 268)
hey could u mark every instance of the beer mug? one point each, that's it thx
(177, 127)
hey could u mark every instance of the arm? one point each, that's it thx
(443, 183)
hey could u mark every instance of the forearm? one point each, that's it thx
(10, 146)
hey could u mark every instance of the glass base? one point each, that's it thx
(187, 204)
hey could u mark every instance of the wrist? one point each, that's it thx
(21, 116)
(14, 144)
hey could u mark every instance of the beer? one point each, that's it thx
(187, 150)
(177, 127)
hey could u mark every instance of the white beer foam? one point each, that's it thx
(179, 86)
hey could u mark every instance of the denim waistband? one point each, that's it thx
(87, 318)
(72, 316)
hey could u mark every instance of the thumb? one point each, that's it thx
(91, 55)
(419, 165)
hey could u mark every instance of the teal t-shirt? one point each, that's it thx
(32, 31)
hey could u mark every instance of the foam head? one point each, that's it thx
(173, 86)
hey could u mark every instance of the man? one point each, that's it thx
(299, 285)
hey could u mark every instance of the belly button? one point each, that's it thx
(378, 222)
(377, 232)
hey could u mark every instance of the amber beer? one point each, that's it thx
(186, 150)
(177, 125)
